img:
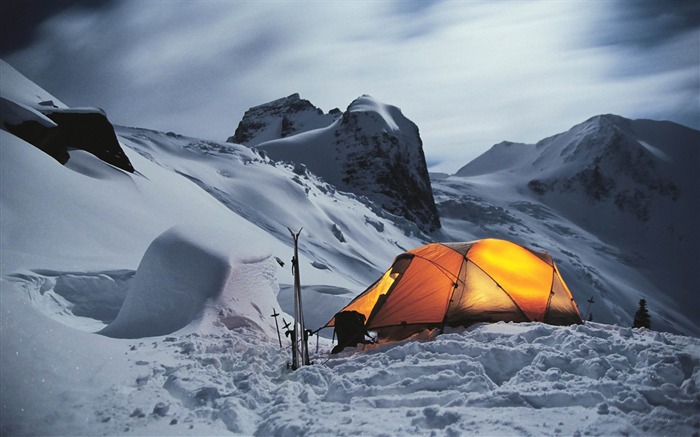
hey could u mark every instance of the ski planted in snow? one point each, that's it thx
(299, 353)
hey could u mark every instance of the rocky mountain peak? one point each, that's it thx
(371, 149)
(606, 160)
(384, 159)
(279, 119)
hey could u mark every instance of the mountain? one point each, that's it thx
(614, 198)
(279, 119)
(142, 302)
(371, 150)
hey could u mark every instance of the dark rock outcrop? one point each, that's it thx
(387, 165)
(86, 129)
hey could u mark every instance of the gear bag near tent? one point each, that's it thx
(458, 284)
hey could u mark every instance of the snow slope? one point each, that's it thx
(180, 256)
(613, 200)
(346, 238)
(19, 89)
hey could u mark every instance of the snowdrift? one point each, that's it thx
(190, 276)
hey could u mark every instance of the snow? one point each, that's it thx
(16, 113)
(630, 237)
(390, 115)
(17, 88)
(141, 304)
(656, 151)
(501, 156)
(488, 380)
(188, 276)
(113, 215)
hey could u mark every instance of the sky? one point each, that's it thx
(470, 74)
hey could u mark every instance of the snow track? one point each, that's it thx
(528, 379)
(489, 379)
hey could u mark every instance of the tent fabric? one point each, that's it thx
(454, 284)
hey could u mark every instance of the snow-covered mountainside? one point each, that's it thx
(372, 150)
(141, 302)
(615, 201)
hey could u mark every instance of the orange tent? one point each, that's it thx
(455, 284)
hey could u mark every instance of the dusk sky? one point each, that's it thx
(469, 74)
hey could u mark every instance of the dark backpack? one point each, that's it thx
(350, 329)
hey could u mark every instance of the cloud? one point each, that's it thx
(469, 74)
(644, 24)
(20, 19)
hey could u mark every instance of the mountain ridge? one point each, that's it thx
(280, 118)
(627, 187)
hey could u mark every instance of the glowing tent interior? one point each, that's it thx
(455, 284)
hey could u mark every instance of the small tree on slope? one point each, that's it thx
(641, 317)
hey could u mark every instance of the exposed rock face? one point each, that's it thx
(371, 149)
(384, 160)
(37, 117)
(280, 118)
(628, 164)
(86, 129)
(606, 161)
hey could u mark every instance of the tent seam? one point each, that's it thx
(549, 299)
(454, 288)
(499, 286)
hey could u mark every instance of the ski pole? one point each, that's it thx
(590, 302)
(279, 337)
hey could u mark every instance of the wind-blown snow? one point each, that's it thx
(656, 151)
(191, 274)
(388, 114)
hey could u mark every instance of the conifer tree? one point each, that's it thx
(641, 317)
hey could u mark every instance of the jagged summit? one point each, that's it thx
(371, 149)
(630, 164)
(620, 145)
(279, 119)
